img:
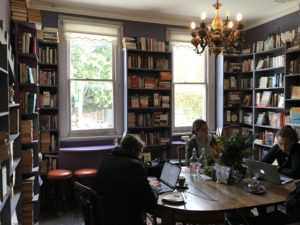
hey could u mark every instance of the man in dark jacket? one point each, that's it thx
(286, 152)
(121, 180)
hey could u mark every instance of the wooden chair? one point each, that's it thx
(181, 155)
(91, 204)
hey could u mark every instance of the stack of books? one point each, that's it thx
(26, 160)
(50, 34)
(26, 128)
(27, 205)
(19, 10)
(34, 16)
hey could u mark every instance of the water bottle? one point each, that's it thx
(202, 160)
(194, 163)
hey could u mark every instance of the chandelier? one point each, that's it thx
(219, 36)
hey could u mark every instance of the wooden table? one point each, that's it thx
(207, 201)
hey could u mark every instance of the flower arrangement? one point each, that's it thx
(230, 151)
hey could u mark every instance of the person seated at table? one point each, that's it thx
(200, 139)
(286, 151)
(122, 182)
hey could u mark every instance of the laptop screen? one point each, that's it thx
(170, 174)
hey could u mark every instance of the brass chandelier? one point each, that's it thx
(219, 36)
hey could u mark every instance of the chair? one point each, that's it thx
(181, 155)
(91, 204)
(85, 176)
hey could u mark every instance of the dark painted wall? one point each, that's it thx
(130, 28)
(277, 26)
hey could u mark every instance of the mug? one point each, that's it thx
(181, 181)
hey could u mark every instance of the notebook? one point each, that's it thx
(168, 178)
(266, 172)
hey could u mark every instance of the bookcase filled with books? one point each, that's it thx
(148, 94)
(10, 158)
(269, 108)
(235, 91)
(48, 92)
(292, 86)
(27, 90)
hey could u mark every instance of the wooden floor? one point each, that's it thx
(51, 214)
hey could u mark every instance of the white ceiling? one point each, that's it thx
(177, 12)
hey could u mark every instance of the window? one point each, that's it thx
(92, 60)
(190, 82)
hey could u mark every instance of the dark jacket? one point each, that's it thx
(121, 180)
(289, 164)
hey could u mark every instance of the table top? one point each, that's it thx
(212, 198)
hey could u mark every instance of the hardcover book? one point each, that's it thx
(295, 92)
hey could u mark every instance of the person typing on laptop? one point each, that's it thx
(286, 151)
(122, 182)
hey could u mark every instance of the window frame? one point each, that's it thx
(183, 35)
(65, 81)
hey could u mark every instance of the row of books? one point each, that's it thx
(19, 10)
(230, 82)
(27, 43)
(148, 119)
(147, 62)
(145, 101)
(145, 43)
(266, 138)
(232, 67)
(272, 119)
(270, 99)
(47, 77)
(27, 102)
(27, 160)
(27, 74)
(149, 82)
(50, 34)
(151, 138)
(246, 82)
(271, 62)
(48, 100)
(233, 98)
(48, 122)
(48, 141)
(26, 131)
(247, 65)
(294, 66)
(48, 163)
(271, 81)
(47, 55)
(276, 41)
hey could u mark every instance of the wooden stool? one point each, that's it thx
(60, 179)
(85, 176)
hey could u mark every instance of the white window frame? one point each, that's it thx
(183, 35)
(88, 26)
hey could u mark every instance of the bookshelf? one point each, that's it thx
(235, 91)
(292, 84)
(48, 92)
(11, 174)
(148, 94)
(27, 90)
(269, 92)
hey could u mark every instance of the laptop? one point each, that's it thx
(168, 178)
(266, 172)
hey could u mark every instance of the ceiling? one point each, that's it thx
(177, 12)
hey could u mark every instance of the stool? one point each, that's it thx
(85, 176)
(60, 179)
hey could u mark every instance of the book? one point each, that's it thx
(295, 115)
(295, 92)
(46, 100)
(263, 81)
(266, 98)
(261, 118)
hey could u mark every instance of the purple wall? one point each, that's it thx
(279, 25)
(130, 28)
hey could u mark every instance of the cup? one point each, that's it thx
(181, 181)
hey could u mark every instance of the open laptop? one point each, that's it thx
(266, 172)
(168, 178)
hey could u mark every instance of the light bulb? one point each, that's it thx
(203, 15)
(193, 25)
(230, 24)
(239, 17)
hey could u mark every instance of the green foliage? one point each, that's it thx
(236, 147)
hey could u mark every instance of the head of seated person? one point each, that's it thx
(286, 138)
(132, 145)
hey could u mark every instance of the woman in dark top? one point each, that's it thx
(286, 152)
(121, 180)
(200, 139)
